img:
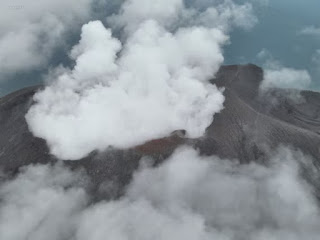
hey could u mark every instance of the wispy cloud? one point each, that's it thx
(311, 31)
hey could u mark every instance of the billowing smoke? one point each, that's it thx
(153, 82)
(188, 197)
(31, 30)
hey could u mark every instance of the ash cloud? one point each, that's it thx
(152, 82)
(187, 197)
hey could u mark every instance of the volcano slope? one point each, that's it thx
(249, 127)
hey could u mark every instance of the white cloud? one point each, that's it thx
(310, 30)
(187, 197)
(278, 76)
(286, 78)
(30, 30)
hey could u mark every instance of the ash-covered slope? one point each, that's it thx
(252, 123)
(247, 128)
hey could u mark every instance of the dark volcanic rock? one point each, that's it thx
(18, 147)
(246, 129)
(250, 124)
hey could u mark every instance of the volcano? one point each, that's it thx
(250, 126)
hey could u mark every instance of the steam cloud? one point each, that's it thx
(316, 63)
(31, 30)
(154, 82)
(188, 197)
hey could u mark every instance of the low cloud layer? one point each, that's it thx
(153, 82)
(188, 197)
(286, 78)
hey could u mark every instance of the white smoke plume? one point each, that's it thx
(155, 81)
(187, 197)
(31, 30)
